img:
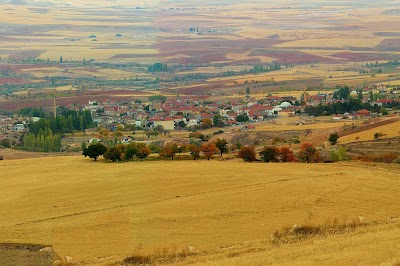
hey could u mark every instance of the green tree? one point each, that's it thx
(222, 145)
(242, 118)
(333, 138)
(384, 111)
(94, 151)
(248, 90)
(269, 154)
(218, 121)
(83, 145)
(113, 154)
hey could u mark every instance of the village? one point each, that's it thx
(197, 112)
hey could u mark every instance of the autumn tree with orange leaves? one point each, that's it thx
(209, 150)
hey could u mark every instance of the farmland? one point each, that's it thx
(163, 81)
(112, 208)
(208, 48)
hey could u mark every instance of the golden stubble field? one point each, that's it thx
(100, 212)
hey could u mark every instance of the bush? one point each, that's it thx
(247, 153)
(113, 154)
(286, 155)
(143, 152)
(308, 153)
(1, 158)
(155, 147)
(269, 154)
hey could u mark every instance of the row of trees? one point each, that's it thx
(67, 122)
(121, 152)
(307, 154)
(353, 105)
(44, 141)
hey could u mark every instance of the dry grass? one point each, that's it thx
(115, 207)
(391, 130)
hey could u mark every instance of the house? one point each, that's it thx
(19, 127)
(338, 117)
(363, 114)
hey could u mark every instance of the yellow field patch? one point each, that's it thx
(391, 130)
(91, 210)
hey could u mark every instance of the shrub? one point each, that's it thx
(155, 147)
(308, 153)
(334, 157)
(286, 155)
(247, 153)
(342, 154)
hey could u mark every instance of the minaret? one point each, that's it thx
(305, 95)
(54, 108)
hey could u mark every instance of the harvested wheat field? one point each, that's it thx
(99, 213)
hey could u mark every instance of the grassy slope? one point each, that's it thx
(93, 210)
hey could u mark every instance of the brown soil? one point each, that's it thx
(17, 254)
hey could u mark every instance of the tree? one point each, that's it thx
(384, 111)
(378, 135)
(143, 152)
(333, 138)
(308, 153)
(83, 145)
(94, 151)
(194, 151)
(130, 152)
(181, 124)
(217, 120)
(242, 118)
(286, 155)
(113, 154)
(209, 150)
(247, 153)
(207, 123)
(222, 145)
(6, 143)
(269, 154)
(169, 150)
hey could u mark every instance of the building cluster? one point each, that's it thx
(197, 111)
(186, 112)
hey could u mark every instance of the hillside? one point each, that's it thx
(99, 213)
